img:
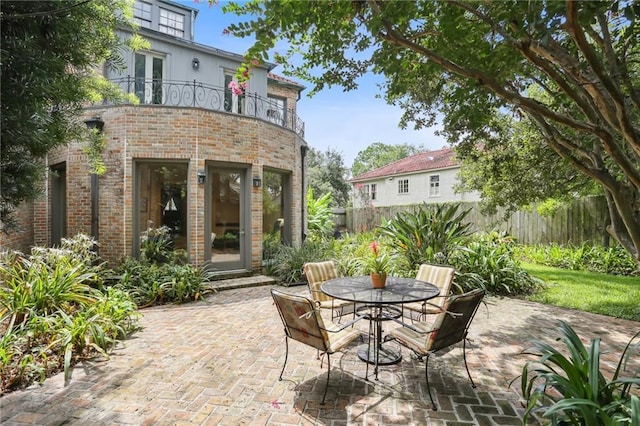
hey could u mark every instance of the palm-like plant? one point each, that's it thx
(572, 390)
(319, 214)
(428, 234)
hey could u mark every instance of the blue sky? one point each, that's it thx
(346, 122)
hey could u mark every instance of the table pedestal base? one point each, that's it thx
(386, 354)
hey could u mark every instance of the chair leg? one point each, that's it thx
(464, 356)
(286, 354)
(326, 386)
(426, 375)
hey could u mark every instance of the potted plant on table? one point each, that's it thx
(377, 265)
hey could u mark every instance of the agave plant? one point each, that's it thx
(573, 391)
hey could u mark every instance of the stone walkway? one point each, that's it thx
(216, 362)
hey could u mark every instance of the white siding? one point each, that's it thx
(418, 189)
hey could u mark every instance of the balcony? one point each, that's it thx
(200, 95)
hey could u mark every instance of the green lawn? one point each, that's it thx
(588, 291)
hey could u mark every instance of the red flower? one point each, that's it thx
(374, 247)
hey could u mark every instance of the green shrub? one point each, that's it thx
(289, 260)
(156, 245)
(609, 260)
(53, 311)
(568, 387)
(319, 216)
(151, 284)
(49, 280)
(351, 250)
(489, 262)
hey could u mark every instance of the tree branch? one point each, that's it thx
(621, 119)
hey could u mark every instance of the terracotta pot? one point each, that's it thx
(378, 280)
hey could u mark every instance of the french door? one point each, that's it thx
(149, 72)
(229, 217)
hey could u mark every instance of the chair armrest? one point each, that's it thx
(409, 326)
(345, 325)
(427, 302)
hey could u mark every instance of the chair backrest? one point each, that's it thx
(317, 273)
(451, 326)
(302, 320)
(440, 276)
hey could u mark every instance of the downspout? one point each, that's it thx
(303, 156)
(193, 24)
(95, 212)
(95, 123)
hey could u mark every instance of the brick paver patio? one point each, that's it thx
(216, 362)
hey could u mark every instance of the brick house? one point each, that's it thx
(218, 169)
(427, 177)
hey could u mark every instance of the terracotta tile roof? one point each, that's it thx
(281, 79)
(425, 161)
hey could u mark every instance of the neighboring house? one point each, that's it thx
(192, 156)
(428, 177)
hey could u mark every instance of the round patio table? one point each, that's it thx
(379, 302)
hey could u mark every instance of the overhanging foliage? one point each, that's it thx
(568, 68)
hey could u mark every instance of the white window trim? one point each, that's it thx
(277, 111)
(402, 184)
(148, 77)
(141, 19)
(174, 23)
(434, 186)
(237, 101)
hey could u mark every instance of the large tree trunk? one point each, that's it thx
(620, 206)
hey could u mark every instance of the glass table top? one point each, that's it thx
(398, 290)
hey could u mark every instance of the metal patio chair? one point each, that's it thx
(441, 277)
(303, 322)
(448, 328)
(317, 273)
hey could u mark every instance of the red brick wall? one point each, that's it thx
(289, 93)
(21, 238)
(194, 135)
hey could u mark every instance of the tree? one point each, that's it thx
(326, 173)
(379, 154)
(50, 50)
(568, 68)
(515, 168)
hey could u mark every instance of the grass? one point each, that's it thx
(611, 295)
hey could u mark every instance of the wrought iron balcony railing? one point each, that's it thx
(197, 94)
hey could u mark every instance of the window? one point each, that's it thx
(276, 216)
(58, 203)
(171, 23)
(148, 73)
(142, 14)
(161, 200)
(434, 186)
(277, 110)
(373, 190)
(403, 186)
(232, 102)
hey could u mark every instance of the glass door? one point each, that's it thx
(58, 203)
(229, 246)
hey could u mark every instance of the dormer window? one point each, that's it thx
(171, 23)
(142, 14)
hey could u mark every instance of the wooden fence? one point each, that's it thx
(583, 221)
